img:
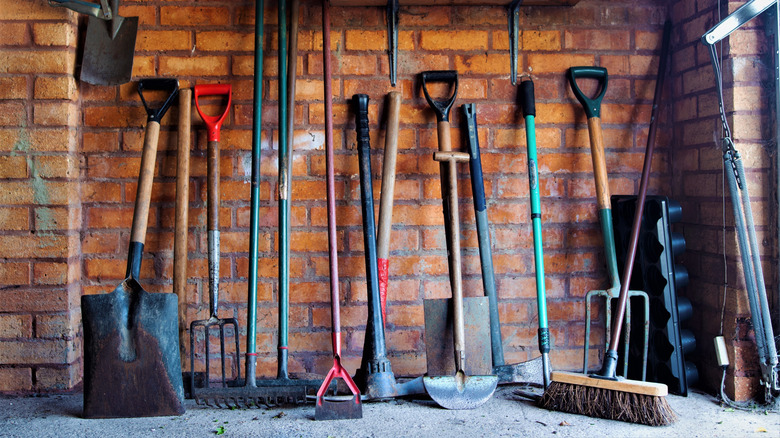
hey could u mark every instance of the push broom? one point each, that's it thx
(604, 395)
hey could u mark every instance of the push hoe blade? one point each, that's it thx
(108, 60)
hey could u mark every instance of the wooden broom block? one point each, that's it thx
(625, 385)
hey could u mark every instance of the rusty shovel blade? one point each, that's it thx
(132, 364)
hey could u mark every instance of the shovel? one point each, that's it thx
(132, 364)
(109, 46)
(459, 391)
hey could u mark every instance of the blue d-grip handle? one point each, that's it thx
(592, 106)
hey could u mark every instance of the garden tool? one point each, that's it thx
(109, 46)
(529, 112)
(375, 376)
(392, 39)
(386, 199)
(592, 107)
(182, 209)
(132, 366)
(213, 123)
(283, 389)
(459, 391)
(749, 250)
(524, 372)
(331, 408)
(604, 394)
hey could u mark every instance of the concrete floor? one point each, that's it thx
(504, 415)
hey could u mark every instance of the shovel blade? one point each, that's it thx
(132, 366)
(469, 392)
(107, 60)
(439, 345)
(350, 408)
(531, 371)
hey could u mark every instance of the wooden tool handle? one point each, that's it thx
(182, 202)
(445, 140)
(457, 281)
(388, 176)
(599, 162)
(143, 194)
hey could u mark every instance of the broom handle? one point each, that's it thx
(617, 324)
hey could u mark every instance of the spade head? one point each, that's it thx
(460, 391)
(132, 366)
(108, 59)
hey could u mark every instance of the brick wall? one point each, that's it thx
(213, 43)
(697, 176)
(40, 212)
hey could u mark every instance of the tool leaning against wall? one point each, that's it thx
(743, 213)
(132, 366)
(213, 394)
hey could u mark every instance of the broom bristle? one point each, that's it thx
(608, 403)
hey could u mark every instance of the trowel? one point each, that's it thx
(109, 46)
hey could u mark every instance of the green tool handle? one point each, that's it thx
(602, 198)
(254, 215)
(529, 111)
(284, 203)
(536, 220)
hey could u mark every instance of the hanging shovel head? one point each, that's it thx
(132, 364)
(109, 49)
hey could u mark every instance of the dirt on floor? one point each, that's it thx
(505, 415)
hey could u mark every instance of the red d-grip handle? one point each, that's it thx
(213, 123)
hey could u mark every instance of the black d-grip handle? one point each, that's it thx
(527, 98)
(592, 106)
(441, 108)
(361, 120)
(158, 84)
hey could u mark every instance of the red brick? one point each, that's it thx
(596, 41)
(38, 62)
(194, 66)
(540, 40)
(15, 34)
(556, 63)
(39, 351)
(15, 326)
(483, 64)
(165, 40)
(461, 40)
(54, 34)
(50, 273)
(13, 88)
(15, 379)
(193, 16)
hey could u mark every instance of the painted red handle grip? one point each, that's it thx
(213, 123)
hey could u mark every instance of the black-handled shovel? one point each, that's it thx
(459, 391)
(132, 365)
